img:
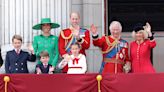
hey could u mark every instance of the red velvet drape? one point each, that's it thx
(84, 83)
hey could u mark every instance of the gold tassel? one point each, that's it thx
(6, 79)
(99, 78)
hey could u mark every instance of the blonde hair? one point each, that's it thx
(144, 33)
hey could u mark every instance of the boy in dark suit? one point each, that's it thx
(44, 67)
(16, 60)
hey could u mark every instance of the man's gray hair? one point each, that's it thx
(114, 23)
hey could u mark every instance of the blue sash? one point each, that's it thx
(113, 53)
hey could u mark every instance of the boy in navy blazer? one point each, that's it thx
(16, 60)
(44, 67)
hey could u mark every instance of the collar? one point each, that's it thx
(45, 64)
(72, 56)
(115, 38)
(73, 29)
(17, 50)
(46, 36)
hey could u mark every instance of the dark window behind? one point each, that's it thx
(130, 12)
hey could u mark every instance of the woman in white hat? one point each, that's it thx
(140, 49)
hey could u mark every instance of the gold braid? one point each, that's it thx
(109, 45)
(65, 38)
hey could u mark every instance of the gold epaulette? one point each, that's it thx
(64, 37)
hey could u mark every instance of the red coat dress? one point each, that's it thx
(140, 56)
(66, 36)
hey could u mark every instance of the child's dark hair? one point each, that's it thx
(18, 37)
(44, 54)
(76, 44)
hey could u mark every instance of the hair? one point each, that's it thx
(18, 37)
(144, 33)
(139, 27)
(79, 46)
(115, 23)
(44, 54)
(74, 13)
(47, 23)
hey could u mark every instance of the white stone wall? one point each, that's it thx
(18, 17)
(92, 14)
(158, 52)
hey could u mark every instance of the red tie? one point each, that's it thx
(75, 60)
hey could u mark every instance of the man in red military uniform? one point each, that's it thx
(114, 50)
(71, 35)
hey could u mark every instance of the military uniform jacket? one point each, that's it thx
(66, 36)
(112, 49)
(17, 63)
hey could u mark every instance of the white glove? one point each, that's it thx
(127, 67)
(147, 28)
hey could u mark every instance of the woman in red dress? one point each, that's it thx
(140, 49)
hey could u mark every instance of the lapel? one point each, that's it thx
(17, 57)
(42, 66)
